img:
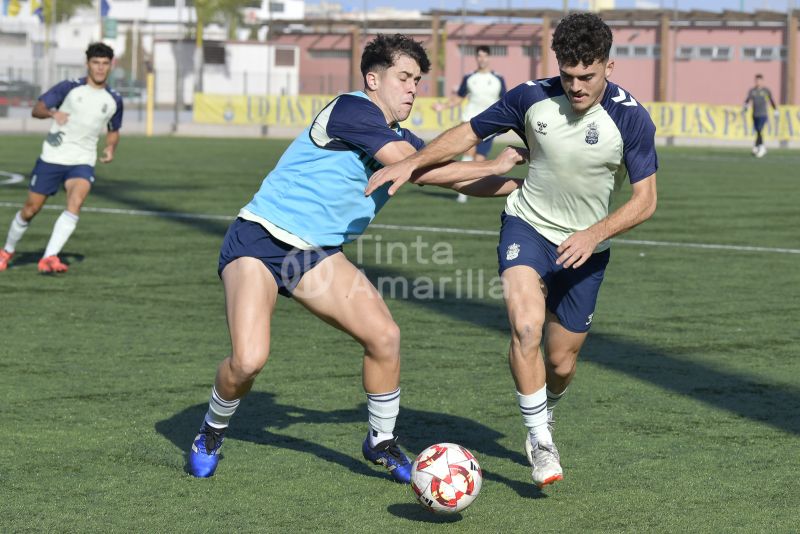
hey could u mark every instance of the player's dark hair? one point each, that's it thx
(759, 76)
(99, 50)
(483, 48)
(581, 38)
(383, 51)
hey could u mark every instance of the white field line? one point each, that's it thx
(431, 229)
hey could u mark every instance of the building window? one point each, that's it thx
(284, 57)
(329, 54)
(162, 3)
(494, 50)
(213, 52)
(711, 53)
(637, 51)
(530, 50)
(764, 53)
(277, 7)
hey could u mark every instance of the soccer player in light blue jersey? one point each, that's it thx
(480, 89)
(288, 240)
(80, 110)
(586, 136)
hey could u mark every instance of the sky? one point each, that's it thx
(424, 5)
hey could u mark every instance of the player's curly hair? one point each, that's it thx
(581, 38)
(383, 50)
(99, 50)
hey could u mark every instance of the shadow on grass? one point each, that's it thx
(416, 512)
(260, 419)
(772, 404)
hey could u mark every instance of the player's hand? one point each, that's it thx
(577, 248)
(398, 173)
(108, 155)
(61, 117)
(510, 157)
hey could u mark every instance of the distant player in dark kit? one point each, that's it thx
(761, 98)
(81, 109)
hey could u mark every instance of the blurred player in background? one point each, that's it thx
(288, 240)
(81, 109)
(481, 89)
(760, 97)
(586, 135)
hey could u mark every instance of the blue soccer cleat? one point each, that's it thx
(204, 456)
(389, 455)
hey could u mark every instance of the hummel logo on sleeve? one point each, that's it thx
(622, 96)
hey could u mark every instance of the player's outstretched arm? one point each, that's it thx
(112, 140)
(489, 186)
(578, 247)
(449, 144)
(455, 173)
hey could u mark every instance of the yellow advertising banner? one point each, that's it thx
(703, 121)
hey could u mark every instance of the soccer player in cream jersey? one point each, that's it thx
(81, 110)
(288, 240)
(481, 89)
(586, 135)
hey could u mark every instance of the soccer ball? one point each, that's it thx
(446, 478)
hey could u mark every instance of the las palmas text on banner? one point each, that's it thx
(703, 121)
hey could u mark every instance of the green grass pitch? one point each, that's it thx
(684, 415)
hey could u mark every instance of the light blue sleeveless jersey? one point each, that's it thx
(316, 191)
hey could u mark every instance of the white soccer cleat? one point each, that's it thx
(762, 151)
(755, 149)
(461, 198)
(545, 463)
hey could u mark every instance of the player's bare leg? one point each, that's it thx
(525, 295)
(340, 294)
(19, 225)
(250, 295)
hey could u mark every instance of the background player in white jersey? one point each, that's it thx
(81, 110)
(289, 237)
(761, 98)
(480, 89)
(585, 135)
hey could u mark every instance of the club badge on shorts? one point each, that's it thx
(512, 252)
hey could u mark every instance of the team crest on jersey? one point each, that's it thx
(105, 108)
(540, 126)
(512, 253)
(592, 134)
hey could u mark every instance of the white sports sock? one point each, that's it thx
(466, 158)
(62, 229)
(15, 232)
(220, 410)
(534, 415)
(553, 398)
(383, 409)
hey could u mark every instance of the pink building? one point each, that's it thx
(712, 57)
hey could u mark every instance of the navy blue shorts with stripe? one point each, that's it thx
(48, 178)
(571, 293)
(286, 263)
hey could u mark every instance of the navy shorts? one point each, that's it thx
(484, 147)
(759, 123)
(571, 293)
(48, 178)
(286, 263)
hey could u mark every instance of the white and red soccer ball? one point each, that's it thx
(446, 478)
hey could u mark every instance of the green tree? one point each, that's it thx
(62, 9)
